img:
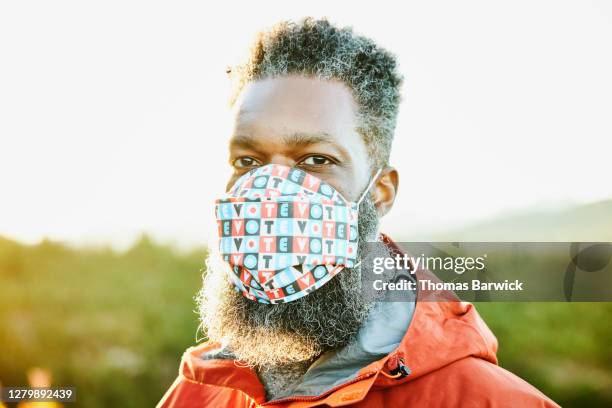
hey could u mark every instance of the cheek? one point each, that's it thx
(348, 183)
(348, 191)
(231, 182)
(357, 176)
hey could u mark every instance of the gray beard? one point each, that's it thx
(287, 337)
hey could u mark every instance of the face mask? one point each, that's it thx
(285, 233)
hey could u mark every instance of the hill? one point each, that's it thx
(586, 223)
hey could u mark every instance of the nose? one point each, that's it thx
(282, 159)
(276, 158)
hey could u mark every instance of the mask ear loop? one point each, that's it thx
(374, 179)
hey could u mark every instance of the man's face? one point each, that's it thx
(302, 122)
(311, 124)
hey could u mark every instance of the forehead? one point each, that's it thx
(276, 107)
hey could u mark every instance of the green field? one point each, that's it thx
(114, 325)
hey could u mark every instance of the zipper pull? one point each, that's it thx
(397, 368)
(402, 369)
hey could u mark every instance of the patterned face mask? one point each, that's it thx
(285, 233)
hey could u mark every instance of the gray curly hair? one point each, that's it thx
(316, 48)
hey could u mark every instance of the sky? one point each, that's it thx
(114, 116)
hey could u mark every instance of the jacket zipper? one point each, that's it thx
(316, 397)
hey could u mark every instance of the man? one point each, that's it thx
(315, 110)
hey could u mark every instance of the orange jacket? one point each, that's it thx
(448, 349)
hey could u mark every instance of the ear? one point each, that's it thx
(385, 190)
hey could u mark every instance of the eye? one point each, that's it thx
(317, 160)
(245, 162)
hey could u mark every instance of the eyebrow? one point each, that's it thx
(298, 139)
(302, 139)
(246, 142)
